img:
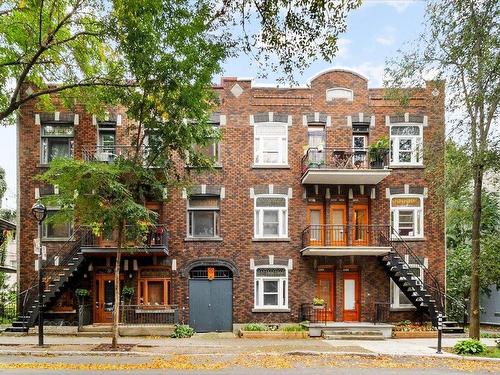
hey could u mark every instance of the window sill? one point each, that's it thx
(203, 239)
(40, 165)
(406, 166)
(215, 166)
(407, 308)
(409, 239)
(285, 239)
(269, 310)
(270, 166)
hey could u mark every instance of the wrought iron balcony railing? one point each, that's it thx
(331, 235)
(107, 153)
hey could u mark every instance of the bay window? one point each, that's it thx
(271, 216)
(56, 142)
(406, 144)
(270, 144)
(271, 288)
(203, 216)
(407, 217)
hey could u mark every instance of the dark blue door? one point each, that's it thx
(211, 305)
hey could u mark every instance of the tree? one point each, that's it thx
(72, 42)
(461, 44)
(3, 185)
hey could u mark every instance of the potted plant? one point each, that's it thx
(377, 152)
(318, 303)
(128, 293)
(81, 295)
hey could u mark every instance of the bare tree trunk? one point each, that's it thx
(116, 310)
(475, 254)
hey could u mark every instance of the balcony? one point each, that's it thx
(342, 240)
(344, 166)
(107, 153)
(154, 240)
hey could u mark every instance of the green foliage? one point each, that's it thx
(378, 150)
(318, 301)
(82, 292)
(182, 331)
(128, 291)
(3, 184)
(294, 328)
(255, 327)
(469, 347)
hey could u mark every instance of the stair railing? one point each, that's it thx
(409, 258)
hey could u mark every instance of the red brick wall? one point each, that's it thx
(237, 177)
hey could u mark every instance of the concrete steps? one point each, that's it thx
(347, 334)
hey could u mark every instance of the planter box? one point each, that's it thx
(414, 334)
(273, 334)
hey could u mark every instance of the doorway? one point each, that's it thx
(325, 289)
(361, 230)
(315, 218)
(337, 228)
(351, 296)
(104, 298)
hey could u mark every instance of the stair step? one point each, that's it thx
(16, 329)
(350, 333)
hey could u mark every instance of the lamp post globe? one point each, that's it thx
(39, 211)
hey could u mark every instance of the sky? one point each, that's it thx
(375, 31)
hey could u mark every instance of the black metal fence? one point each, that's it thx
(315, 314)
(381, 312)
(148, 315)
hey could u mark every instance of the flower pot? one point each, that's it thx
(318, 307)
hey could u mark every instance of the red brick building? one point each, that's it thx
(297, 209)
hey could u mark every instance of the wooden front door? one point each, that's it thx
(337, 229)
(104, 298)
(315, 218)
(352, 297)
(361, 230)
(325, 289)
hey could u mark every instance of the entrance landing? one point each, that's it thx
(316, 329)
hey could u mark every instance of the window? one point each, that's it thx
(57, 141)
(316, 138)
(271, 216)
(153, 292)
(271, 288)
(203, 216)
(406, 144)
(398, 298)
(211, 151)
(271, 144)
(407, 216)
(51, 230)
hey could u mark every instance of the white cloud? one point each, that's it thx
(388, 37)
(343, 44)
(375, 73)
(399, 5)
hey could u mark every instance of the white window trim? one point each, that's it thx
(260, 297)
(282, 151)
(216, 213)
(394, 211)
(43, 137)
(394, 144)
(259, 217)
(395, 290)
(70, 224)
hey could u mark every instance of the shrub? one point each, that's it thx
(255, 327)
(128, 291)
(294, 328)
(82, 292)
(469, 346)
(182, 331)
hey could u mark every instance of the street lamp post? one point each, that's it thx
(39, 212)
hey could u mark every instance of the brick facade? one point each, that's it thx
(237, 176)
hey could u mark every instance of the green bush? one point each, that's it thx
(82, 292)
(469, 346)
(255, 327)
(294, 328)
(182, 331)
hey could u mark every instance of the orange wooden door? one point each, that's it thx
(352, 293)
(337, 234)
(104, 298)
(316, 220)
(325, 289)
(360, 230)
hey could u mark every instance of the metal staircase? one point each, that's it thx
(59, 269)
(425, 291)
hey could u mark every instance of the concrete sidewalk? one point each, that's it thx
(210, 344)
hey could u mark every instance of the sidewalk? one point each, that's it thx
(212, 344)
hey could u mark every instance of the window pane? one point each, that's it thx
(271, 223)
(203, 223)
(349, 294)
(270, 299)
(270, 286)
(57, 148)
(57, 130)
(358, 142)
(405, 202)
(155, 292)
(405, 144)
(405, 130)
(271, 272)
(406, 224)
(270, 157)
(403, 300)
(404, 157)
(270, 144)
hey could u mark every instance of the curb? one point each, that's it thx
(43, 353)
